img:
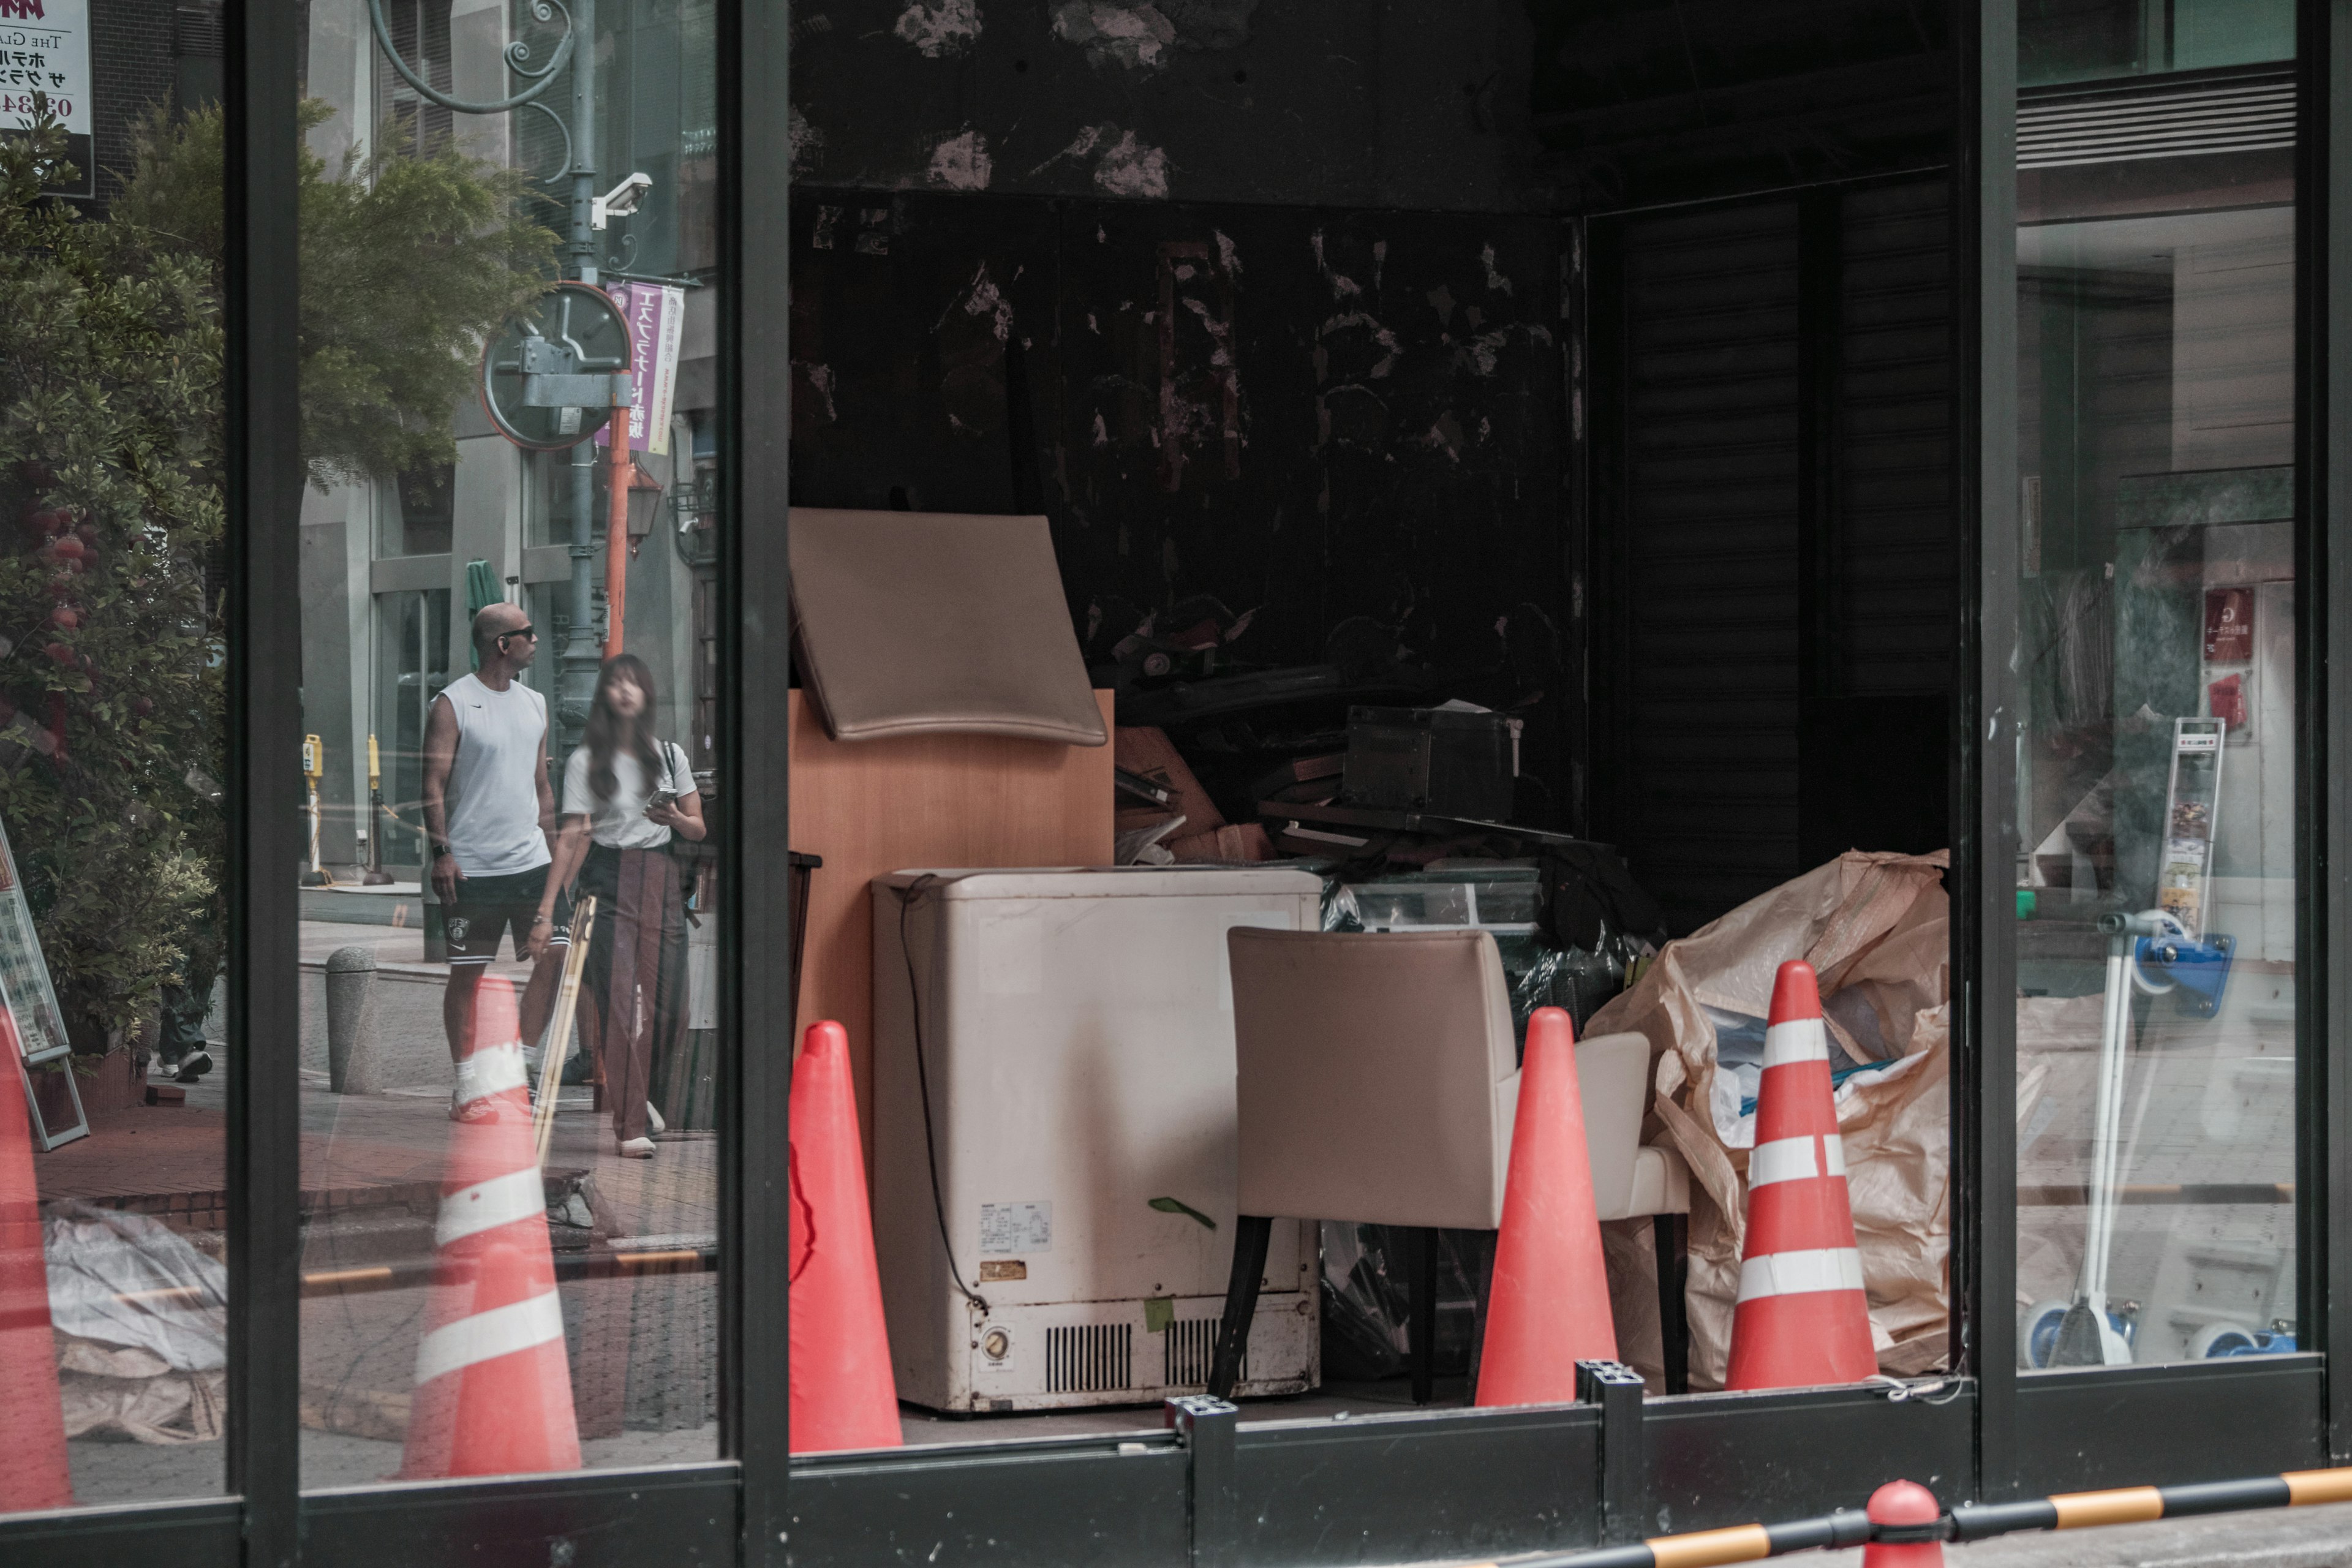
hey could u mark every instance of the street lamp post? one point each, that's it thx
(577, 684)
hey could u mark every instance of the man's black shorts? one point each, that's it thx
(488, 907)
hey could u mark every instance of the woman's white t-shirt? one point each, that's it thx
(621, 823)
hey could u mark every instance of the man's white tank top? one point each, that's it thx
(493, 794)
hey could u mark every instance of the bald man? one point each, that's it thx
(489, 819)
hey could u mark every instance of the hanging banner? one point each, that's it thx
(657, 317)
(44, 50)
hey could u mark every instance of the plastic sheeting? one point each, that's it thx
(141, 1317)
(1876, 929)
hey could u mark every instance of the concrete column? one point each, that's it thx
(478, 74)
(343, 64)
(337, 655)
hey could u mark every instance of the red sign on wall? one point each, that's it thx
(2228, 625)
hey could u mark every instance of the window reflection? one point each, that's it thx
(509, 1155)
(114, 1286)
(2155, 865)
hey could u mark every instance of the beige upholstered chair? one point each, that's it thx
(1377, 1081)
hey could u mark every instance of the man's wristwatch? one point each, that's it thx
(439, 848)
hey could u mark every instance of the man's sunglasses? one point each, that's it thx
(530, 632)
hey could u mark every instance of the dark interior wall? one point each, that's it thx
(1285, 305)
(1639, 102)
(1322, 102)
(1336, 423)
(1774, 552)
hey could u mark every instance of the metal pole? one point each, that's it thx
(616, 523)
(576, 688)
(576, 680)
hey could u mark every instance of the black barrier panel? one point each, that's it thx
(1729, 1459)
(1036, 1505)
(1400, 1488)
(201, 1535)
(682, 1517)
(2162, 1426)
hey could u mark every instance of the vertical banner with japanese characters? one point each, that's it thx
(44, 51)
(657, 317)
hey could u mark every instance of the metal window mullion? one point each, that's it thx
(2323, 637)
(756, 934)
(265, 838)
(1984, 922)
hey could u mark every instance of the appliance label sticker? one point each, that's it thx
(1016, 1227)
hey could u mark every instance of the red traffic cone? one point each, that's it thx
(843, 1396)
(1910, 1509)
(1801, 1318)
(1549, 1306)
(32, 1419)
(493, 1386)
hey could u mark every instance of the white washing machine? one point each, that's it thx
(1077, 1057)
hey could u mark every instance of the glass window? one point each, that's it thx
(2156, 866)
(418, 509)
(113, 1277)
(2089, 40)
(510, 1157)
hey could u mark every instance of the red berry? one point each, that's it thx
(71, 548)
(61, 587)
(142, 706)
(64, 620)
(63, 655)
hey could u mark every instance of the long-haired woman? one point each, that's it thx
(625, 793)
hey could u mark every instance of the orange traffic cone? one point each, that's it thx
(32, 1420)
(493, 1388)
(1908, 1511)
(1549, 1306)
(1801, 1317)
(841, 1391)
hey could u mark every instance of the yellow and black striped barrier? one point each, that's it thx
(1969, 1522)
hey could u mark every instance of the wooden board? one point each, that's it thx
(876, 806)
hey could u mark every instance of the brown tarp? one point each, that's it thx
(1876, 929)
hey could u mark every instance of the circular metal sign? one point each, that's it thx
(547, 375)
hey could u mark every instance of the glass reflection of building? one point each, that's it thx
(392, 555)
(2156, 416)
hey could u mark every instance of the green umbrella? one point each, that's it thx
(481, 590)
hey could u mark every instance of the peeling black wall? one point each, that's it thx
(1472, 105)
(1329, 419)
(1281, 303)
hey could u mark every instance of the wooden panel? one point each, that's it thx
(876, 806)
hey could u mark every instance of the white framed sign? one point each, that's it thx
(45, 50)
(25, 988)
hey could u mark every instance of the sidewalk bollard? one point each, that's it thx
(1909, 1528)
(351, 998)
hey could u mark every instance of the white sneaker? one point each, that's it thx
(637, 1148)
(654, 1119)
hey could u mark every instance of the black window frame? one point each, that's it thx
(1394, 1488)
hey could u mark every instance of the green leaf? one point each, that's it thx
(1178, 1206)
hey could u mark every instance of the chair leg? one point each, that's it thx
(1424, 1315)
(1250, 1234)
(1672, 1234)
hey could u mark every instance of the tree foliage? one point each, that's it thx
(408, 262)
(113, 517)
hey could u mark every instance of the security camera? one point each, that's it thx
(620, 200)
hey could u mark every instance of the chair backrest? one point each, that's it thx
(1378, 1075)
(1612, 1079)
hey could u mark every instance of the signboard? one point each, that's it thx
(2192, 808)
(25, 987)
(45, 49)
(2228, 625)
(26, 992)
(657, 317)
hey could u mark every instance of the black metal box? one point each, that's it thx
(1447, 762)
